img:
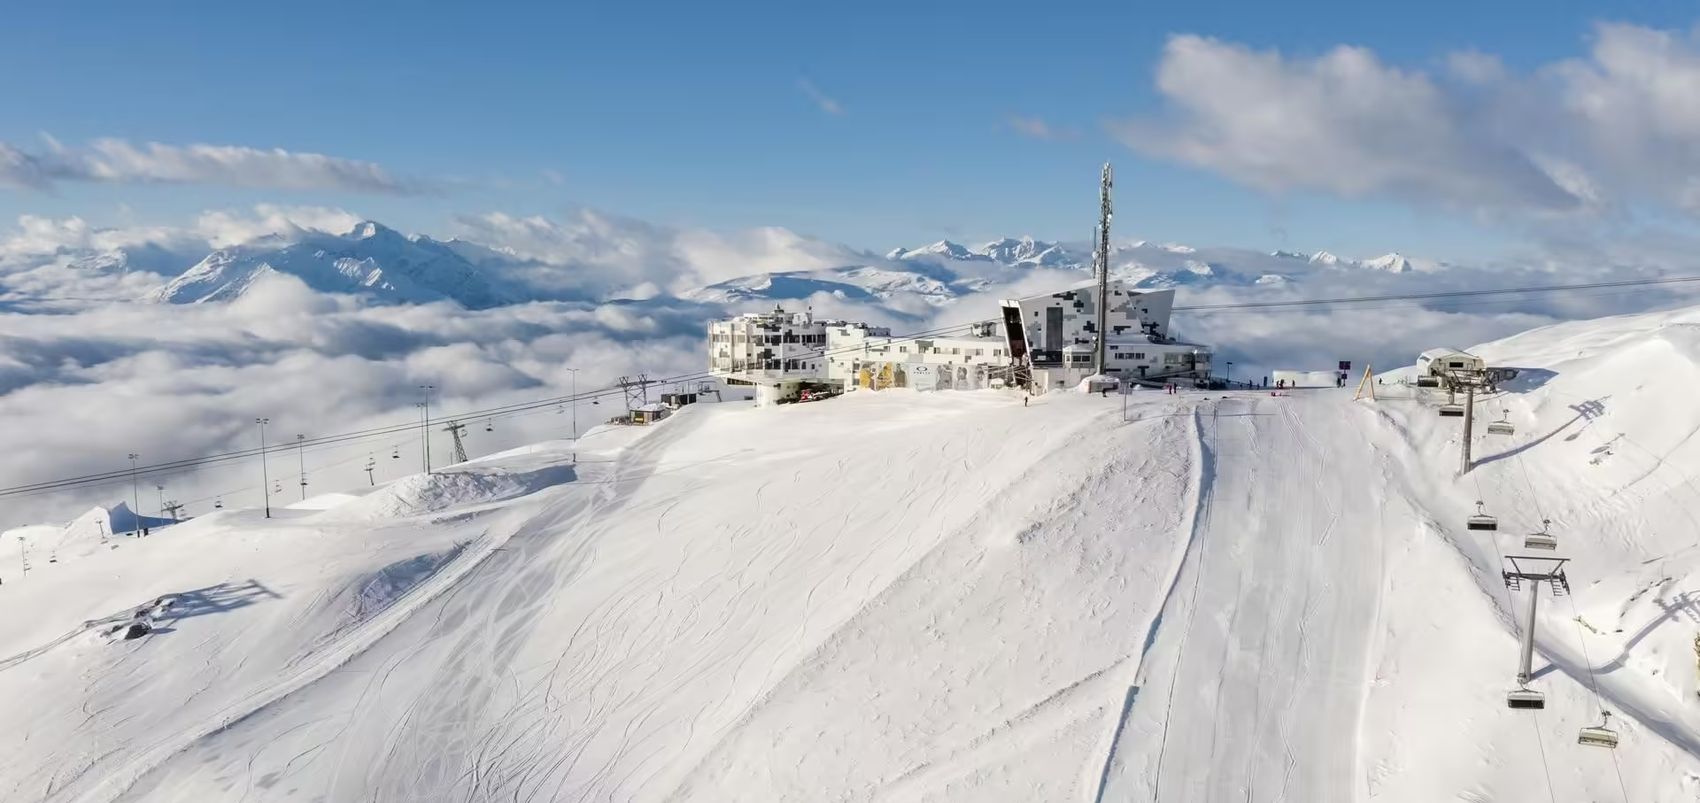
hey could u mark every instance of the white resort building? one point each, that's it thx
(1103, 335)
(1055, 337)
(1041, 343)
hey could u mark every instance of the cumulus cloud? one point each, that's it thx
(824, 102)
(590, 252)
(1342, 122)
(116, 161)
(224, 227)
(1605, 132)
(82, 387)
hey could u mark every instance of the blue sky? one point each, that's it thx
(698, 113)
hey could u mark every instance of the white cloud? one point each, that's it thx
(1343, 123)
(824, 102)
(1615, 130)
(225, 227)
(117, 161)
(83, 386)
(611, 255)
(1037, 128)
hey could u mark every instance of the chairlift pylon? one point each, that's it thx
(1526, 699)
(1600, 735)
(1482, 521)
(1541, 540)
(1451, 411)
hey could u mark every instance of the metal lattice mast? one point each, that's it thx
(1102, 258)
(455, 428)
(636, 391)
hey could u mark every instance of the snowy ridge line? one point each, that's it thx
(1200, 454)
(350, 646)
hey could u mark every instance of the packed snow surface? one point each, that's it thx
(904, 597)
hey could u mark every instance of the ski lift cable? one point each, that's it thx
(1581, 639)
(1546, 769)
(502, 411)
(121, 476)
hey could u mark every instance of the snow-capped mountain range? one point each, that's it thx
(384, 266)
(942, 271)
(371, 259)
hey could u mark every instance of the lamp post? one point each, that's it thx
(1230, 378)
(301, 458)
(425, 424)
(135, 497)
(575, 406)
(265, 479)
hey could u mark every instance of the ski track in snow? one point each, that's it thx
(1273, 630)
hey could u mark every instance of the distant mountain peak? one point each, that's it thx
(367, 229)
(1393, 262)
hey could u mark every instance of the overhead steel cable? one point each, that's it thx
(1551, 288)
(509, 409)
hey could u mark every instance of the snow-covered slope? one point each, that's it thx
(371, 260)
(900, 596)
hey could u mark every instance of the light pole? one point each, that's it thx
(425, 424)
(1230, 377)
(135, 496)
(575, 407)
(265, 479)
(301, 456)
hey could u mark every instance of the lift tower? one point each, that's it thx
(1535, 570)
(1102, 258)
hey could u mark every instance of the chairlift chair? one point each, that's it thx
(1482, 521)
(1451, 411)
(395, 453)
(490, 425)
(218, 504)
(1600, 735)
(1502, 426)
(1542, 539)
(1527, 699)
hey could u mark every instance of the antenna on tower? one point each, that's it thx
(1102, 259)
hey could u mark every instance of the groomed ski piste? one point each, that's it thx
(900, 596)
